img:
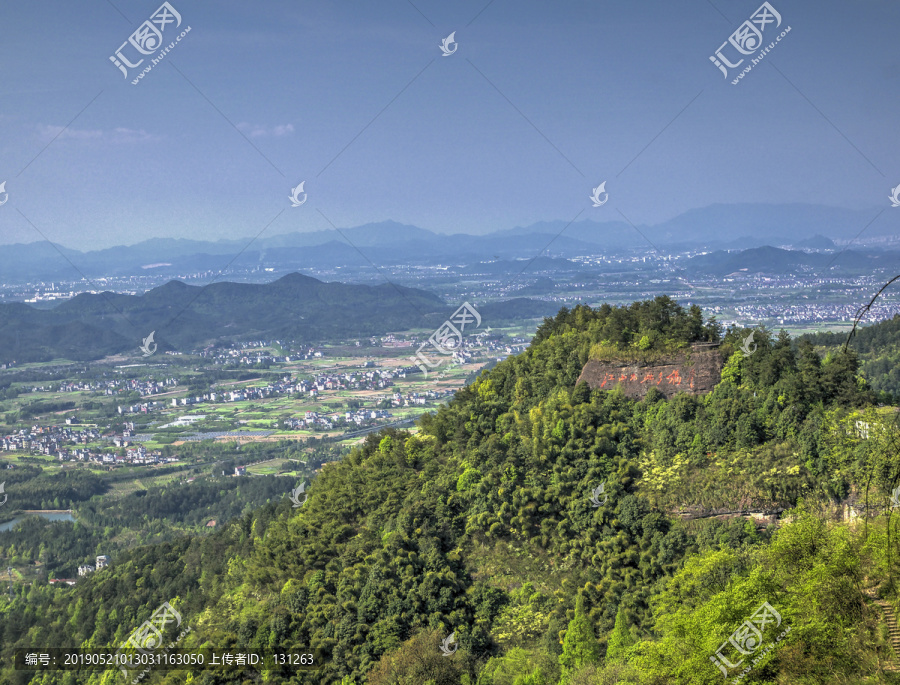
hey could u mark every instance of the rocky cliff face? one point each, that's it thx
(695, 373)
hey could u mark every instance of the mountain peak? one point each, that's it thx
(296, 278)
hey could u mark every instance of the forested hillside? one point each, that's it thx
(295, 307)
(490, 524)
(878, 346)
(144, 516)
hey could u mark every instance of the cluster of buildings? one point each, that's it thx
(102, 562)
(120, 386)
(241, 353)
(313, 420)
(132, 456)
(141, 408)
(47, 439)
(366, 380)
(514, 346)
(814, 312)
(482, 343)
(63, 442)
(412, 399)
(391, 341)
(285, 386)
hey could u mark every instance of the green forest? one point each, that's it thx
(105, 526)
(879, 352)
(485, 526)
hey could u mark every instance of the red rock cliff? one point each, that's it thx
(695, 373)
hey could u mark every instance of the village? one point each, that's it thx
(144, 387)
(63, 443)
(257, 390)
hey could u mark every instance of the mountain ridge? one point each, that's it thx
(716, 226)
(294, 307)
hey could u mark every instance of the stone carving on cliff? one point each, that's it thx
(695, 375)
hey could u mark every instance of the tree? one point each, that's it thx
(581, 394)
(620, 639)
(580, 645)
(418, 660)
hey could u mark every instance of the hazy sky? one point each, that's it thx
(539, 103)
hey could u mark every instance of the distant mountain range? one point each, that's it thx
(736, 226)
(772, 260)
(184, 317)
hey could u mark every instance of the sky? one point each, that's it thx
(537, 105)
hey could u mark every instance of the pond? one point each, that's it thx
(49, 515)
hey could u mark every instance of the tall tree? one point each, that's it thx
(580, 645)
(620, 639)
